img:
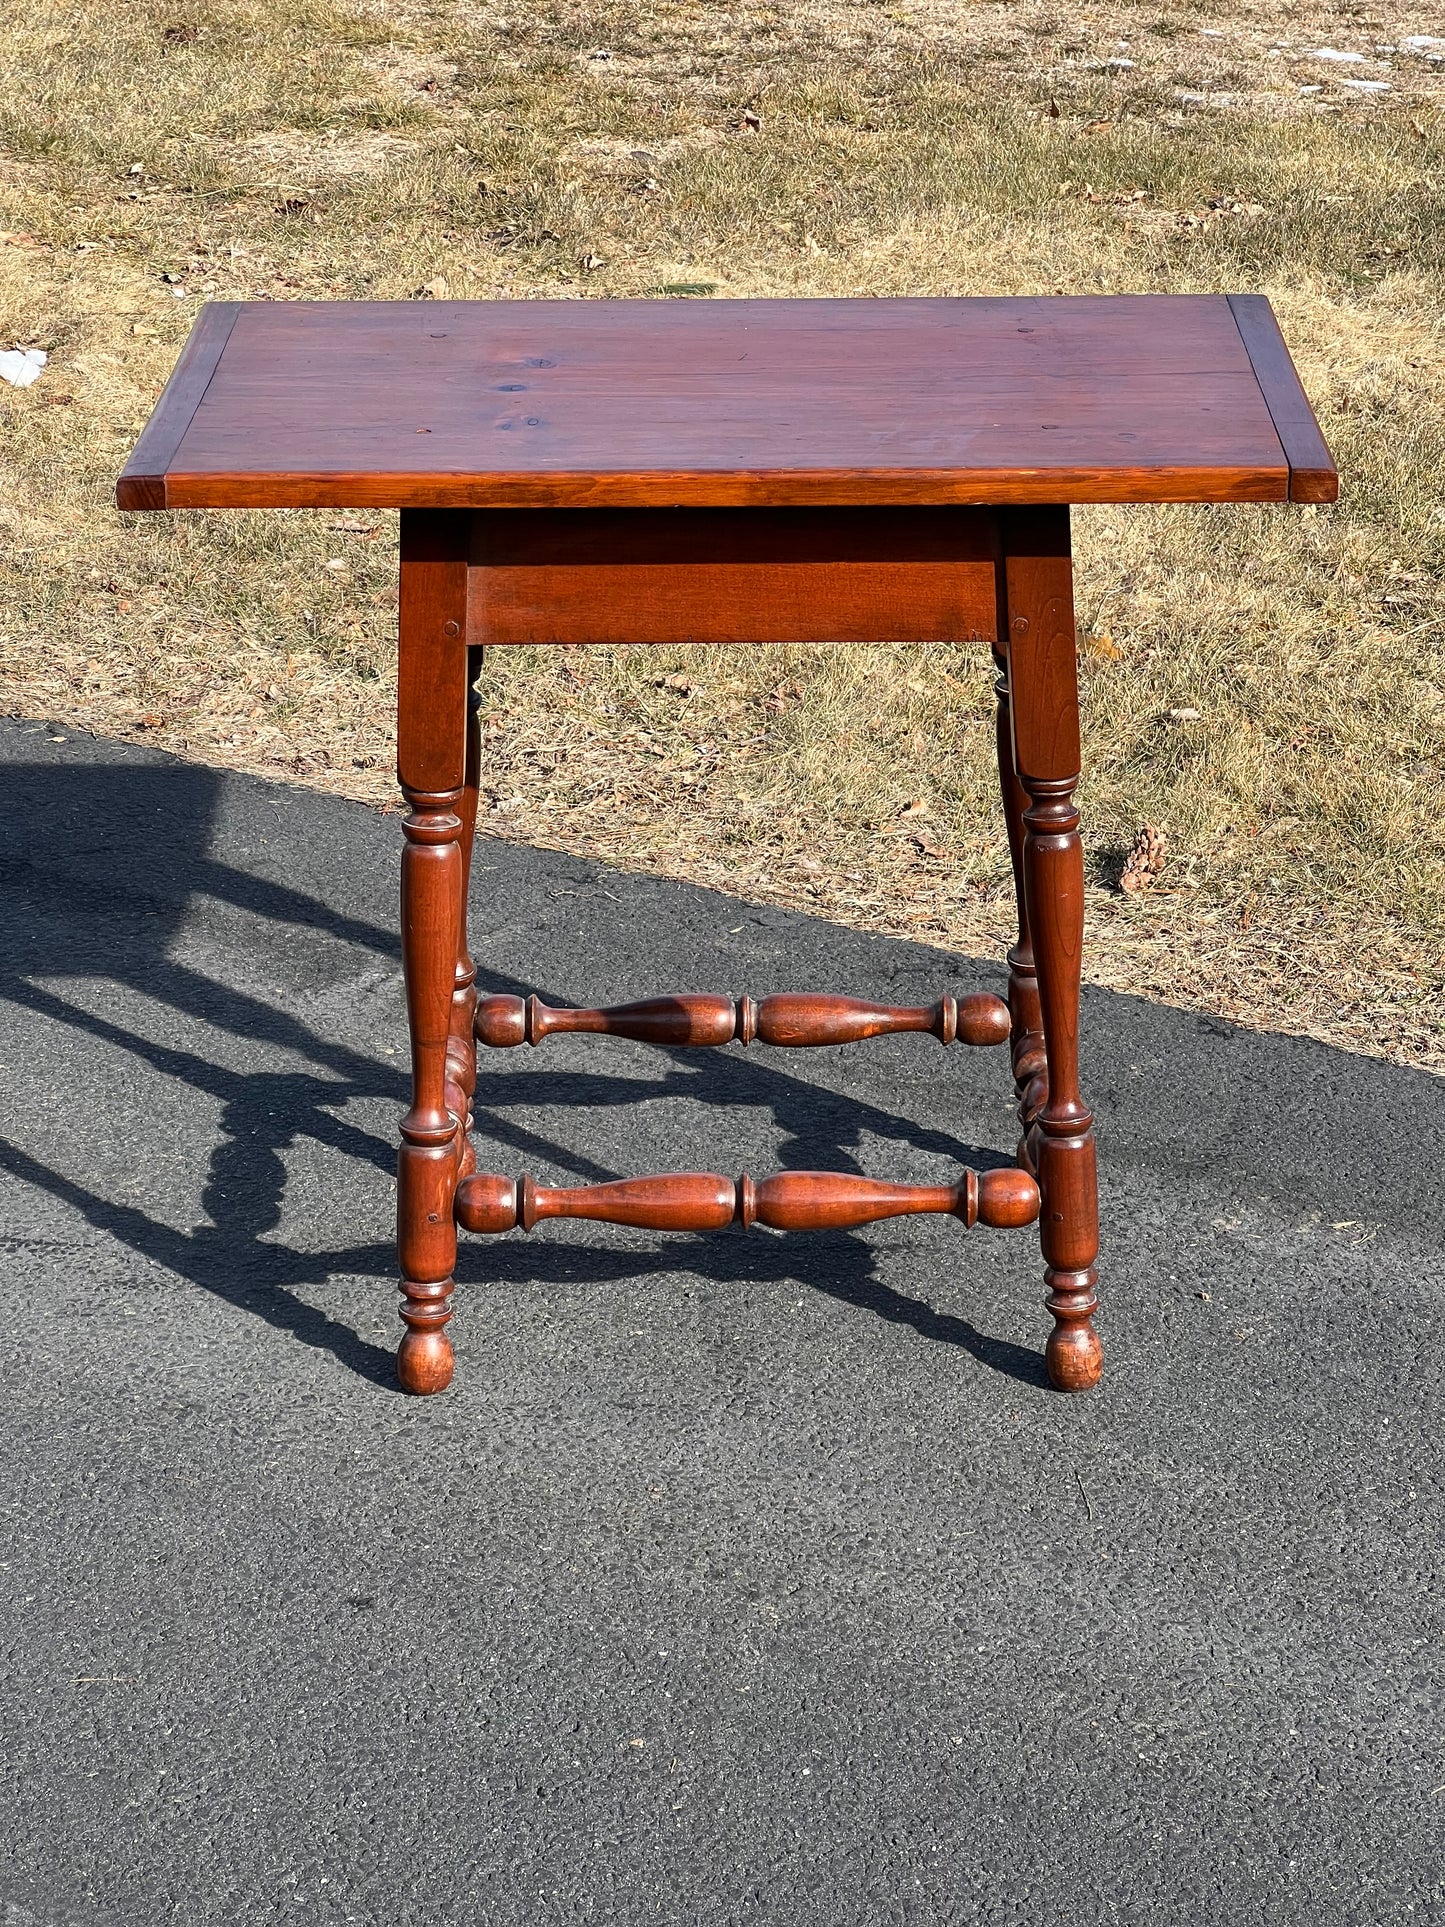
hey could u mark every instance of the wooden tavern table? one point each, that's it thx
(736, 472)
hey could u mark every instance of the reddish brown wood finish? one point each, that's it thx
(793, 1019)
(1044, 709)
(1312, 474)
(657, 404)
(736, 472)
(705, 1201)
(1027, 1024)
(694, 1019)
(461, 1040)
(432, 769)
(803, 1019)
(733, 575)
(143, 484)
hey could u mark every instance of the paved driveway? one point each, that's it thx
(743, 1579)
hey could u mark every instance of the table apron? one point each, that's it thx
(733, 575)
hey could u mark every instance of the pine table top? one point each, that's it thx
(563, 404)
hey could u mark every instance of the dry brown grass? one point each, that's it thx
(167, 154)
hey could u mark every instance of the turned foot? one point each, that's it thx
(424, 1362)
(1074, 1360)
(424, 1357)
(1073, 1357)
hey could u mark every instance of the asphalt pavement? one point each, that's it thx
(737, 1579)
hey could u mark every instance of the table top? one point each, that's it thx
(558, 404)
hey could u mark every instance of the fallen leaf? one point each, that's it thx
(1103, 645)
(1145, 861)
(918, 807)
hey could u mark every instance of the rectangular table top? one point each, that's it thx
(558, 404)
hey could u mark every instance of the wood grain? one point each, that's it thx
(432, 769)
(1312, 473)
(628, 404)
(707, 1201)
(793, 1019)
(1044, 702)
(142, 483)
(732, 575)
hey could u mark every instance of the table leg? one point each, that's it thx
(1027, 1036)
(461, 1043)
(1044, 701)
(431, 768)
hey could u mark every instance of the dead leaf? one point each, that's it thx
(1145, 861)
(918, 807)
(1102, 645)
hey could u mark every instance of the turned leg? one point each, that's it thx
(1044, 701)
(461, 1043)
(431, 768)
(1027, 1033)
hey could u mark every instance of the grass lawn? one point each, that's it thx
(1267, 685)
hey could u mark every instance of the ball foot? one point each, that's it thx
(1074, 1358)
(424, 1362)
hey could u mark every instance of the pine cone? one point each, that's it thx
(1146, 859)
